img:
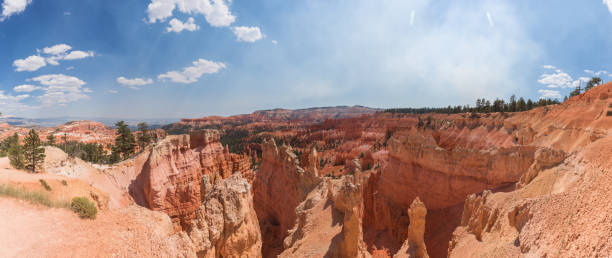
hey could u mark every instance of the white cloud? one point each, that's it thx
(30, 64)
(550, 67)
(192, 73)
(79, 55)
(556, 80)
(56, 52)
(490, 19)
(12, 103)
(52, 55)
(57, 49)
(11, 7)
(216, 12)
(593, 73)
(412, 15)
(247, 34)
(61, 89)
(112, 91)
(178, 26)
(26, 88)
(275, 42)
(70, 68)
(549, 94)
(134, 83)
(609, 4)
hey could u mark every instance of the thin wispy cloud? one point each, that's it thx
(490, 19)
(412, 14)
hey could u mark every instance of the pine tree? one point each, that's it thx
(512, 103)
(521, 105)
(6, 144)
(15, 152)
(33, 152)
(144, 137)
(51, 140)
(592, 83)
(575, 92)
(125, 142)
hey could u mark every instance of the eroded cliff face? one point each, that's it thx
(172, 175)
(279, 187)
(556, 209)
(226, 225)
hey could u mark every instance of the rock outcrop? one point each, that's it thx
(279, 187)
(330, 214)
(347, 198)
(479, 214)
(226, 225)
(172, 175)
(544, 158)
(414, 246)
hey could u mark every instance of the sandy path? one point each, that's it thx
(28, 230)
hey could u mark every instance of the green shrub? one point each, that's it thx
(84, 207)
(45, 185)
(64, 182)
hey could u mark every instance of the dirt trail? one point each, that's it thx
(28, 230)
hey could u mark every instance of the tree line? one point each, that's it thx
(498, 105)
(482, 106)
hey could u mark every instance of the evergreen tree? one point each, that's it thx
(6, 144)
(575, 92)
(125, 142)
(51, 140)
(521, 105)
(114, 157)
(592, 83)
(15, 152)
(33, 151)
(144, 138)
(512, 103)
(530, 104)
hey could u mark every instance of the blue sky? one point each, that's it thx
(190, 58)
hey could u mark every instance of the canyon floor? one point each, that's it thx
(339, 182)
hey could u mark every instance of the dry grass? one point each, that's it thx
(35, 197)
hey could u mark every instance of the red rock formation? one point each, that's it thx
(279, 187)
(414, 246)
(226, 225)
(174, 171)
(281, 115)
(330, 214)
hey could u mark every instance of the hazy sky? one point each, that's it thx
(190, 58)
